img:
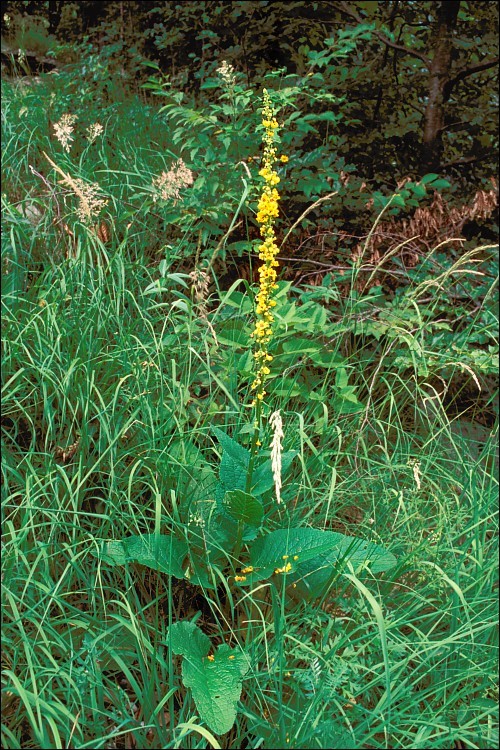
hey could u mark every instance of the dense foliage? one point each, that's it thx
(249, 453)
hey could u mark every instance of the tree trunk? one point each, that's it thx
(439, 75)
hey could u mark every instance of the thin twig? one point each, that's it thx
(49, 186)
(306, 212)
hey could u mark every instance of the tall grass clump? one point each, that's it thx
(234, 514)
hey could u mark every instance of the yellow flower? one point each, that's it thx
(283, 158)
(285, 569)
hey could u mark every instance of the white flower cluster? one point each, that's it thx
(226, 73)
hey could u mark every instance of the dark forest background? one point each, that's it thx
(395, 90)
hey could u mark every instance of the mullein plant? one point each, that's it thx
(267, 214)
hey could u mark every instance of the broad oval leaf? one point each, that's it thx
(236, 451)
(215, 679)
(311, 557)
(243, 507)
(232, 473)
(186, 639)
(216, 686)
(161, 552)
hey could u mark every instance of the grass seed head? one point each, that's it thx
(64, 129)
(169, 184)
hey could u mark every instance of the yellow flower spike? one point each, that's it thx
(267, 212)
(211, 657)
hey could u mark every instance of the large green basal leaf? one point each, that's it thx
(215, 680)
(311, 557)
(243, 507)
(186, 639)
(216, 686)
(234, 463)
(161, 552)
(232, 473)
(237, 452)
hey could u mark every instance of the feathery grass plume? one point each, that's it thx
(94, 131)
(64, 131)
(200, 284)
(90, 204)
(268, 250)
(277, 426)
(168, 184)
(200, 281)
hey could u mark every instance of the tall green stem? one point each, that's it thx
(254, 446)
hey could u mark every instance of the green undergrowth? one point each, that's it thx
(126, 521)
